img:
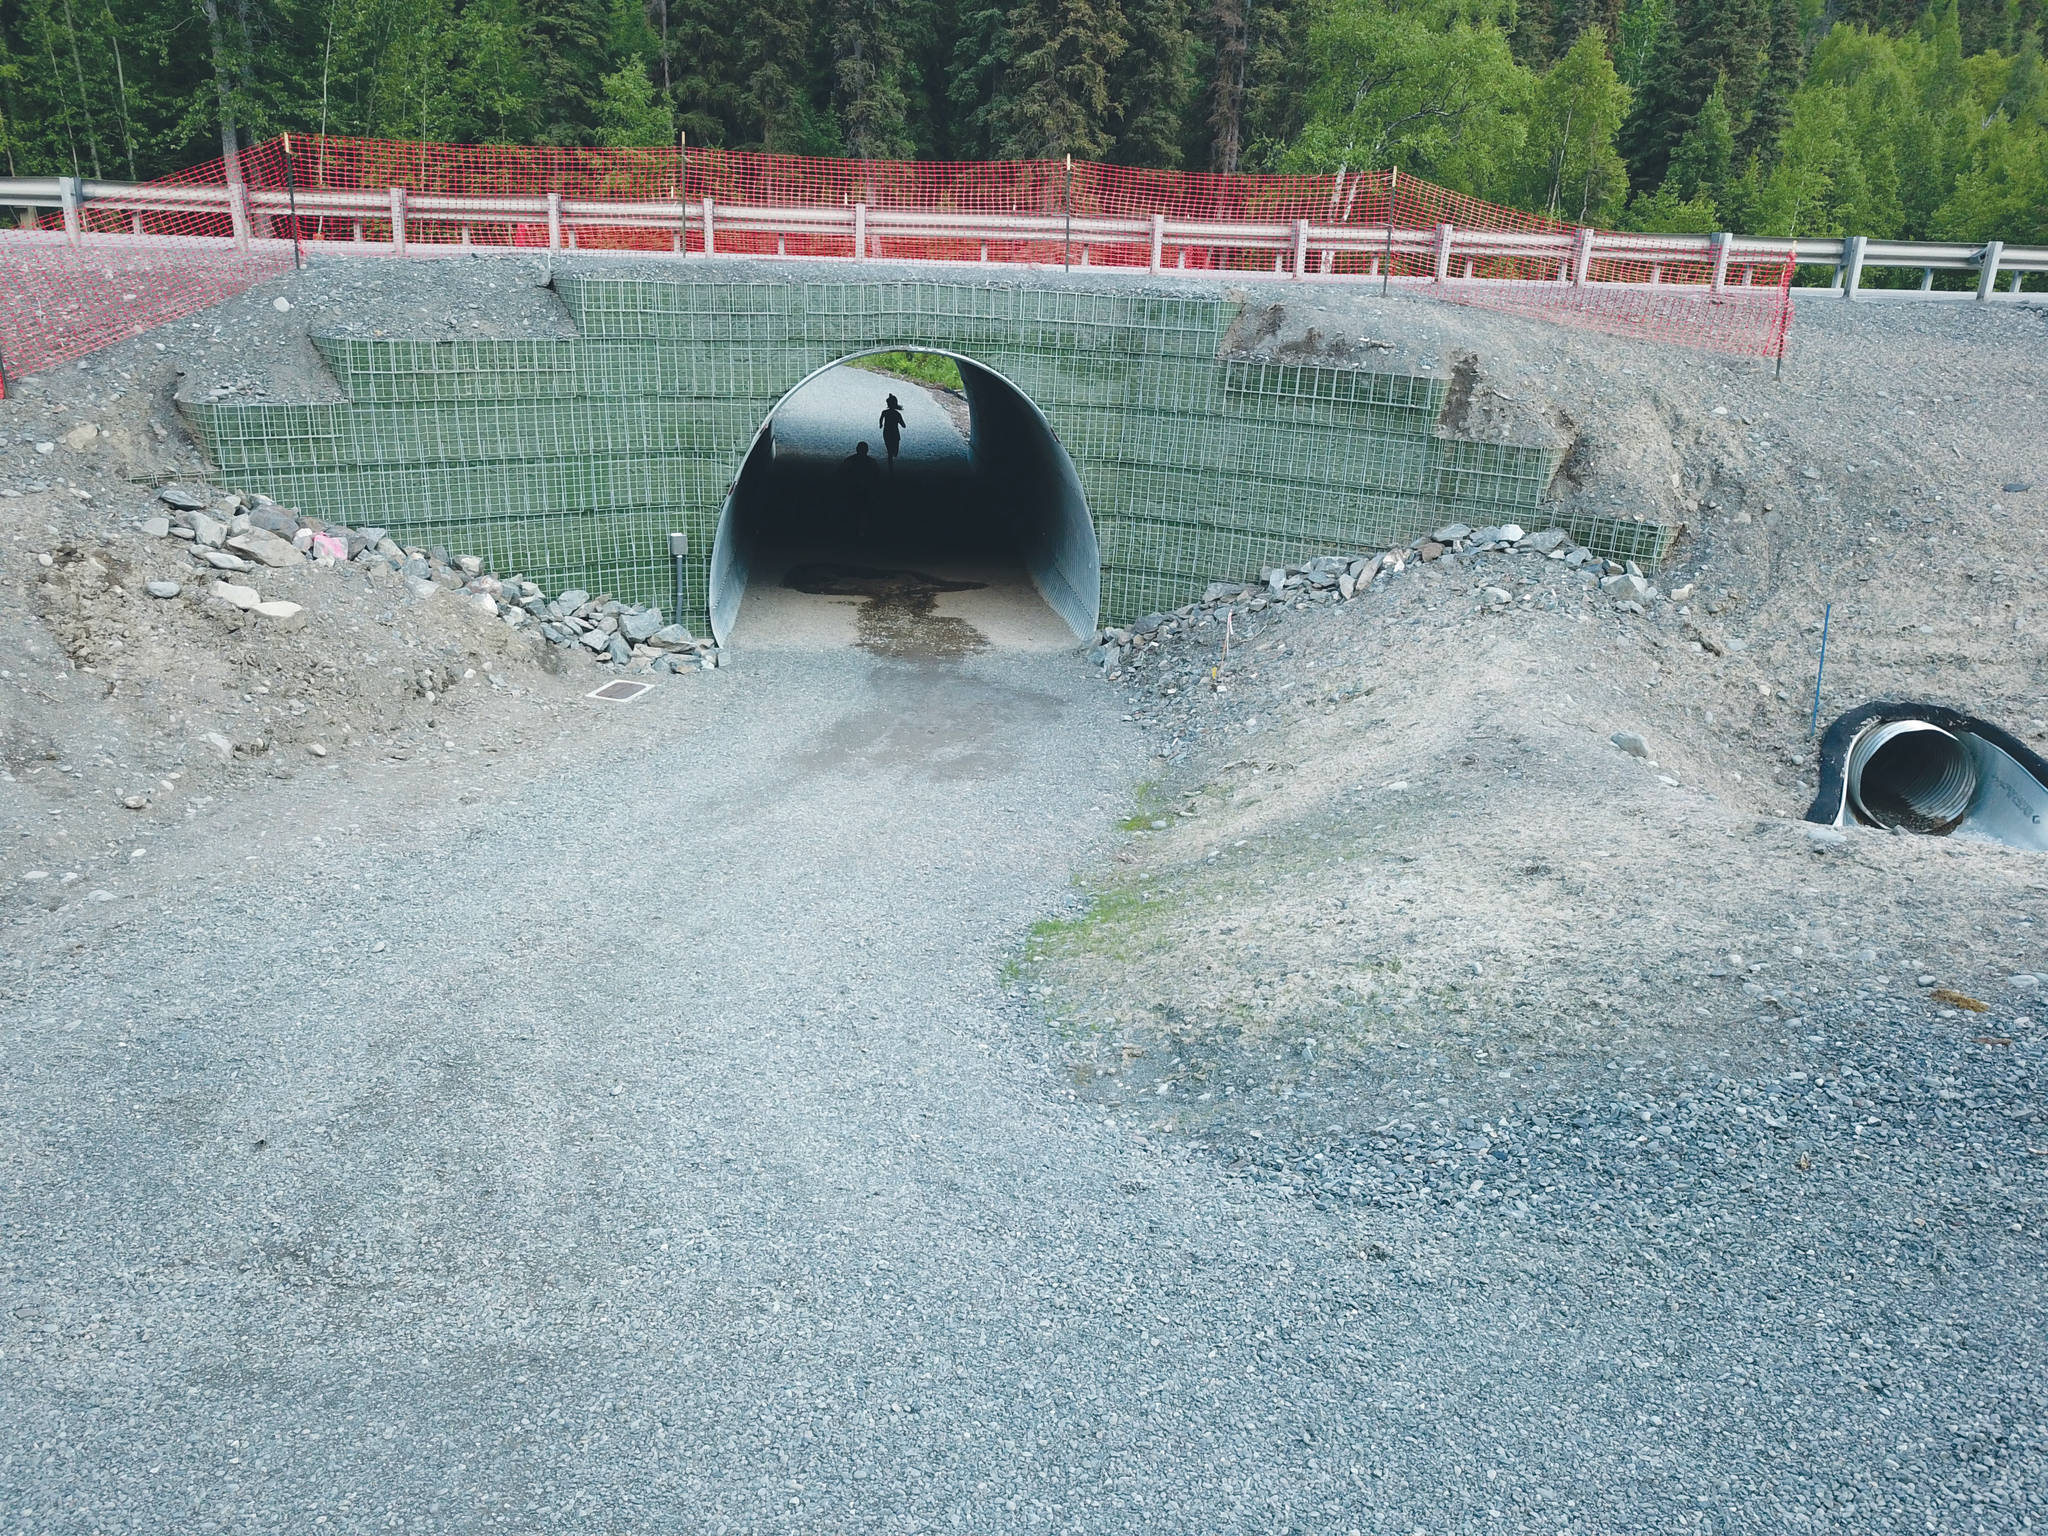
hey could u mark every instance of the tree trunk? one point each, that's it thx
(56, 76)
(92, 138)
(668, 86)
(230, 149)
(1226, 115)
(121, 84)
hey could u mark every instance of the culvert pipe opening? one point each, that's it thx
(1912, 775)
(1926, 768)
(917, 504)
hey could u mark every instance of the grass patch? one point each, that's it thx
(918, 367)
(1151, 807)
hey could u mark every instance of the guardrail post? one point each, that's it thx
(1300, 249)
(1987, 268)
(1720, 244)
(554, 221)
(71, 198)
(860, 231)
(1443, 252)
(1852, 264)
(398, 221)
(710, 228)
(1582, 258)
(1158, 240)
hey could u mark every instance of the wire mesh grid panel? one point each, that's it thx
(572, 460)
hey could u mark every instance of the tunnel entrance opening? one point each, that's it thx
(914, 502)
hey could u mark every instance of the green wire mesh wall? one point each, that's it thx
(570, 462)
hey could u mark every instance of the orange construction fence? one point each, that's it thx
(116, 261)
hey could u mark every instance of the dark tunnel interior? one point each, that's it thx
(979, 495)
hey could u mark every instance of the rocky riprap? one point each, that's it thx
(233, 537)
(1340, 578)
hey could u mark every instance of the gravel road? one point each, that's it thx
(645, 1137)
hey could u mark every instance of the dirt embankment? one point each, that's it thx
(1392, 838)
(120, 709)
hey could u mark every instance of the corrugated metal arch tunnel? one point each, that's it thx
(1023, 477)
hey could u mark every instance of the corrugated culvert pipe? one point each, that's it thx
(1931, 770)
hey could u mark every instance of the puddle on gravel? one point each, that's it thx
(899, 616)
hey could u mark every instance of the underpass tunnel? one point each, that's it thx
(978, 534)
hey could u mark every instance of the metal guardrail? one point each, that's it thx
(1301, 248)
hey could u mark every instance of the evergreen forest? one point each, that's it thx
(1808, 117)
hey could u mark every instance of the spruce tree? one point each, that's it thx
(572, 55)
(1708, 41)
(2025, 98)
(1946, 84)
(704, 68)
(1535, 34)
(868, 73)
(1277, 78)
(1574, 18)
(1705, 157)
(1153, 83)
(1054, 98)
(1771, 108)
(975, 82)
(1229, 51)
(772, 74)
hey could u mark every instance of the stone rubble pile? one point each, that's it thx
(1339, 578)
(232, 538)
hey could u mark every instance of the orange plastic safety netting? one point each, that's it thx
(111, 261)
(114, 260)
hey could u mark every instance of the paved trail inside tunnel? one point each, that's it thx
(643, 1139)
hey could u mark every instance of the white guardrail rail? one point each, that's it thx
(1300, 247)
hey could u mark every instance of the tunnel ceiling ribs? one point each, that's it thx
(570, 461)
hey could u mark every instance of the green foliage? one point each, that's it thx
(1705, 157)
(629, 116)
(1421, 88)
(1635, 42)
(571, 42)
(431, 72)
(1053, 98)
(1255, 58)
(918, 367)
(1664, 212)
(1891, 118)
(1152, 84)
(2003, 194)
(1771, 108)
(869, 74)
(1568, 167)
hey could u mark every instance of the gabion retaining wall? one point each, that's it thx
(571, 461)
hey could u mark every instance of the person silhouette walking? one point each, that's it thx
(892, 430)
(861, 476)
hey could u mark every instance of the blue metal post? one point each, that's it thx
(1814, 726)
